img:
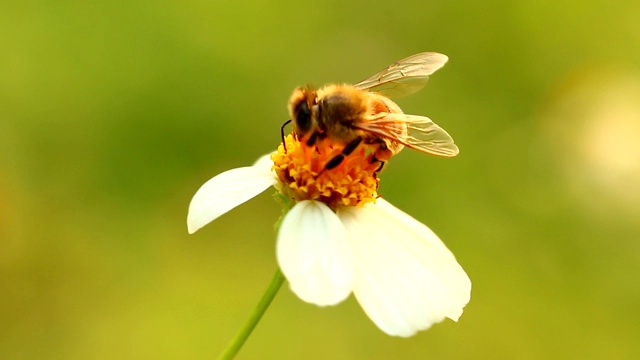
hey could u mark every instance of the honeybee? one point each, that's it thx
(352, 115)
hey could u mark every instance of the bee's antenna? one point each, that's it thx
(282, 134)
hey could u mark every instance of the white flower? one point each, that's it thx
(400, 272)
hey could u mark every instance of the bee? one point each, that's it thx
(352, 115)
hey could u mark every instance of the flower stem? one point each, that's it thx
(236, 344)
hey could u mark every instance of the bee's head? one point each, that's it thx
(303, 110)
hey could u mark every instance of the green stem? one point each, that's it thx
(236, 344)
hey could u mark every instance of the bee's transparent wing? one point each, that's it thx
(413, 131)
(405, 76)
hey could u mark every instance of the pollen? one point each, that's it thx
(304, 176)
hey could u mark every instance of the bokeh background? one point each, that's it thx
(113, 113)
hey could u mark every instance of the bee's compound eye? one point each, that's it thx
(303, 117)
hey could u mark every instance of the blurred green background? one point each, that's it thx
(113, 113)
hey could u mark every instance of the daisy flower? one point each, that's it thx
(339, 237)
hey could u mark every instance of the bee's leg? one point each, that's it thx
(337, 160)
(374, 159)
(311, 141)
(380, 156)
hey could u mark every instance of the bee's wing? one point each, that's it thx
(405, 76)
(420, 133)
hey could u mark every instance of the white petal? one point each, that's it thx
(264, 163)
(313, 254)
(405, 277)
(226, 191)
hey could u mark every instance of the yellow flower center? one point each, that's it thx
(303, 174)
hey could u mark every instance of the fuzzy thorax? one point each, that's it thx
(302, 173)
